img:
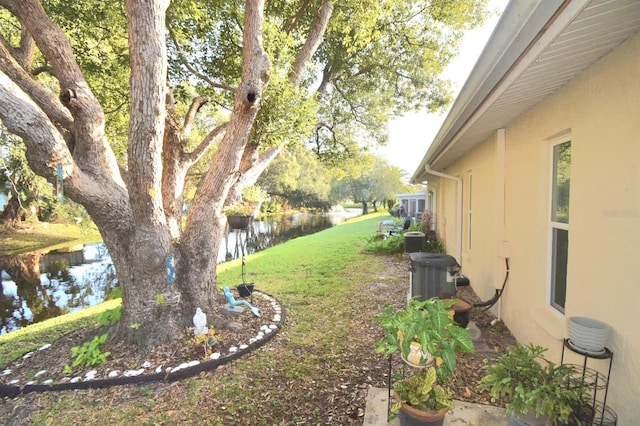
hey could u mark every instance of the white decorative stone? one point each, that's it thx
(260, 335)
(133, 373)
(268, 331)
(252, 340)
(91, 374)
(29, 383)
(276, 318)
(114, 373)
(146, 364)
(158, 369)
(27, 355)
(243, 347)
(273, 326)
(6, 372)
(43, 347)
(264, 327)
(233, 349)
(75, 379)
(14, 382)
(47, 382)
(215, 355)
(181, 366)
(39, 373)
(193, 363)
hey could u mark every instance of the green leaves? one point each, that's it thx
(423, 392)
(90, 354)
(529, 381)
(429, 323)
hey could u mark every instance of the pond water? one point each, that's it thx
(41, 285)
(3, 199)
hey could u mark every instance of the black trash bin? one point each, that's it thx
(414, 241)
(432, 275)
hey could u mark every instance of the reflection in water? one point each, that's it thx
(275, 229)
(37, 286)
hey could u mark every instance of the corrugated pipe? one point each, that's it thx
(489, 303)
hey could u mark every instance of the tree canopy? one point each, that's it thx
(230, 81)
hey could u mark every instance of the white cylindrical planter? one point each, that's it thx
(588, 334)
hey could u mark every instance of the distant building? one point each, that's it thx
(415, 203)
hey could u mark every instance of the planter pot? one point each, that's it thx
(245, 290)
(588, 334)
(529, 419)
(410, 416)
(461, 311)
(239, 222)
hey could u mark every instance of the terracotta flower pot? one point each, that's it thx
(410, 416)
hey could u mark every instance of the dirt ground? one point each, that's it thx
(340, 399)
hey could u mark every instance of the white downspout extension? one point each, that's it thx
(458, 180)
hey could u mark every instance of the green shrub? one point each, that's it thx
(90, 354)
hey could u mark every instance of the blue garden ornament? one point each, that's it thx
(233, 302)
(170, 262)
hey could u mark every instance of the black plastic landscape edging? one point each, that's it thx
(10, 391)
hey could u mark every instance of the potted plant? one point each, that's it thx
(239, 215)
(420, 400)
(535, 390)
(424, 332)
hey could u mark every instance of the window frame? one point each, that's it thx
(553, 227)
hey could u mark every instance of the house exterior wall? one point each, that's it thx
(598, 111)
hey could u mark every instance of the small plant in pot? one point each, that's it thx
(424, 332)
(239, 215)
(428, 339)
(420, 400)
(534, 389)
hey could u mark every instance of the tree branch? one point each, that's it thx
(206, 143)
(194, 71)
(316, 34)
(41, 95)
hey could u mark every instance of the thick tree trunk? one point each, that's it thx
(165, 272)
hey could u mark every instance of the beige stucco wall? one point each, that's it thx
(599, 111)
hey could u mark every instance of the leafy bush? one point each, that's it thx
(110, 316)
(390, 245)
(90, 354)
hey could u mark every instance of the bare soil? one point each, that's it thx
(337, 396)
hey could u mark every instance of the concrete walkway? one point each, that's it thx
(465, 413)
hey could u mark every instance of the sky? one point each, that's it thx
(411, 135)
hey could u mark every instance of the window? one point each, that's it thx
(559, 223)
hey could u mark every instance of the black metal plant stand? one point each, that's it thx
(603, 415)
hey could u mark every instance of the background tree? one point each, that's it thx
(297, 178)
(372, 180)
(375, 59)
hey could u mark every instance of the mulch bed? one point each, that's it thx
(337, 396)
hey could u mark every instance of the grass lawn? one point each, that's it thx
(315, 371)
(39, 235)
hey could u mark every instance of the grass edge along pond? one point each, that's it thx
(311, 275)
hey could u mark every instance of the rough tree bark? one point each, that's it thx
(139, 214)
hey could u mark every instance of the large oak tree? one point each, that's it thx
(327, 72)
